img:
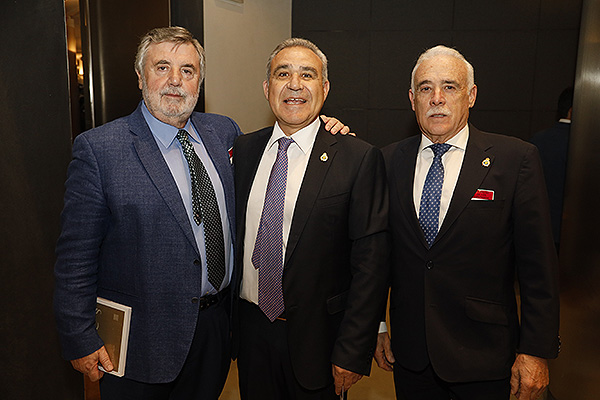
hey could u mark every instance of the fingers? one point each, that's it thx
(88, 365)
(333, 126)
(383, 352)
(529, 377)
(105, 360)
(343, 379)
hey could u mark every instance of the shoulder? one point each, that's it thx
(223, 124)
(500, 142)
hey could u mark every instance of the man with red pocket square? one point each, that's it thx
(468, 214)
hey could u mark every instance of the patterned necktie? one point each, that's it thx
(205, 206)
(429, 211)
(267, 256)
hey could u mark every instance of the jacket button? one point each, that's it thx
(429, 264)
(196, 262)
(194, 299)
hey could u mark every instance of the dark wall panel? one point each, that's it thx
(36, 139)
(523, 51)
(115, 28)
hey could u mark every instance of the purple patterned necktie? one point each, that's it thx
(267, 256)
(429, 211)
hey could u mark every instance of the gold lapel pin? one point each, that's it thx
(324, 157)
(486, 162)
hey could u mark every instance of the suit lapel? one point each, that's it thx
(220, 159)
(154, 163)
(404, 173)
(471, 175)
(315, 174)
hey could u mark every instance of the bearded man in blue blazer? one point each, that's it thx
(132, 232)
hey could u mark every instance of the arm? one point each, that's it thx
(84, 222)
(537, 273)
(367, 221)
(89, 364)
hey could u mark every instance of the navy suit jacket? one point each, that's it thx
(453, 305)
(126, 236)
(335, 269)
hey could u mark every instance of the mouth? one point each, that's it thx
(294, 101)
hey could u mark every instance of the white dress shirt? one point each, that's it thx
(298, 155)
(452, 161)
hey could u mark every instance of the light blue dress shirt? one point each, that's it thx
(171, 150)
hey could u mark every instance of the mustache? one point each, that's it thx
(175, 91)
(438, 110)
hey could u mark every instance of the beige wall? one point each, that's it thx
(238, 39)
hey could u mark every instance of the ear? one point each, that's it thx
(411, 97)
(326, 87)
(140, 80)
(266, 89)
(472, 96)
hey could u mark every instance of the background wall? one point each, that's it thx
(523, 51)
(238, 39)
(35, 136)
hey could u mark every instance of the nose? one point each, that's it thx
(437, 98)
(295, 83)
(175, 77)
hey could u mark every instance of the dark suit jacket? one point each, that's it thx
(553, 145)
(454, 304)
(335, 271)
(126, 236)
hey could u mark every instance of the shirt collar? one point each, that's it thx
(166, 133)
(304, 138)
(459, 140)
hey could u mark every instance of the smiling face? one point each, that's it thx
(441, 99)
(171, 81)
(295, 89)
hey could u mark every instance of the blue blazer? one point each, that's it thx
(126, 237)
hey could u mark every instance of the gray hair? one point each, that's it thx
(441, 50)
(299, 42)
(172, 34)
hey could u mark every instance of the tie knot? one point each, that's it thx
(284, 143)
(182, 136)
(439, 149)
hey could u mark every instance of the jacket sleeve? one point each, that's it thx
(84, 223)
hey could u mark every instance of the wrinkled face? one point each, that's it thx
(171, 81)
(441, 100)
(295, 89)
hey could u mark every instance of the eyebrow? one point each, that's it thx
(289, 66)
(187, 65)
(445, 82)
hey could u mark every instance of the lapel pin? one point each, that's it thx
(486, 162)
(324, 157)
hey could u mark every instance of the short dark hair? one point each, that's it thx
(565, 103)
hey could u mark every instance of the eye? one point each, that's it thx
(450, 87)
(424, 89)
(283, 74)
(187, 71)
(307, 75)
(162, 68)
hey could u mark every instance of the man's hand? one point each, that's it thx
(88, 365)
(383, 352)
(343, 379)
(333, 126)
(529, 377)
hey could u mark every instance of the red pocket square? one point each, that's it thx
(482, 194)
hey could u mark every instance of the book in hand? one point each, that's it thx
(112, 322)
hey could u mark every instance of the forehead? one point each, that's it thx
(170, 51)
(297, 57)
(441, 68)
